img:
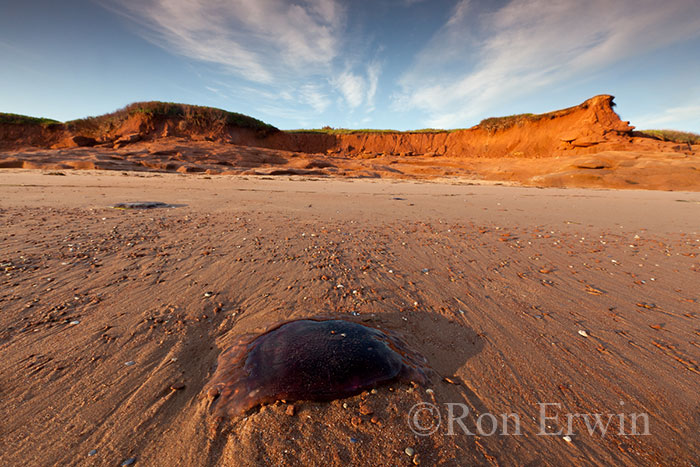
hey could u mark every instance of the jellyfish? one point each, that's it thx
(310, 360)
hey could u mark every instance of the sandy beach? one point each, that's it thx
(341, 233)
(572, 301)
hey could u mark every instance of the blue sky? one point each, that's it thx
(401, 64)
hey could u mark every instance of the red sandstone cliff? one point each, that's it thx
(592, 126)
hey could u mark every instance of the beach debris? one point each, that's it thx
(130, 363)
(141, 205)
(567, 438)
(208, 294)
(309, 359)
(593, 290)
(212, 394)
(687, 201)
(92, 453)
(583, 333)
(409, 451)
(129, 461)
(74, 322)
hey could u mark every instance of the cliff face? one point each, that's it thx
(593, 124)
(590, 127)
(14, 136)
(582, 146)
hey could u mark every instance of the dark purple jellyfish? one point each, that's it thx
(310, 360)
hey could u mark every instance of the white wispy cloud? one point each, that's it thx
(287, 52)
(529, 44)
(359, 89)
(685, 116)
(314, 96)
(264, 41)
(374, 69)
(352, 87)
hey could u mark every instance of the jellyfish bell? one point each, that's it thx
(310, 359)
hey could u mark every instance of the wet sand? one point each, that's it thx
(112, 320)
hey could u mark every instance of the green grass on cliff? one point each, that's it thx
(341, 131)
(674, 136)
(15, 119)
(348, 131)
(489, 124)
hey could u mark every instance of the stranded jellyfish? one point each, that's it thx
(310, 360)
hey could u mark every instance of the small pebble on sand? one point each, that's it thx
(409, 451)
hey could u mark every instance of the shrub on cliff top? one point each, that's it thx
(194, 115)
